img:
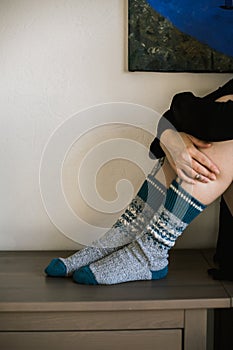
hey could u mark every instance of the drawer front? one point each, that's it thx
(91, 320)
(114, 340)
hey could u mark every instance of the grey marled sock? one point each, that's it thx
(147, 257)
(130, 224)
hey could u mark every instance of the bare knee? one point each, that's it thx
(221, 153)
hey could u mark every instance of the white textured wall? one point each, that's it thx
(56, 58)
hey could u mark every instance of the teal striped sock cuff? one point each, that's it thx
(152, 192)
(182, 204)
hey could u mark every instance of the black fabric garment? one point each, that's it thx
(223, 255)
(223, 329)
(201, 117)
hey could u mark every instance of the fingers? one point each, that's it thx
(206, 174)
(199, 143)
(183, 176)
(203, 165)
(207, 166)
(188, 161)
(201, 157)
(187, 171)
(190, 175)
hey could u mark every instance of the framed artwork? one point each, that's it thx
(180, 35)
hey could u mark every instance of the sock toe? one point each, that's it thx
(56, 268)
(84, 275)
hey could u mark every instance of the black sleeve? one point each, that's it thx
(165, 122)
(206, 120)
(226, 89)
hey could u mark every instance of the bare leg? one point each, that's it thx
(147, 257)
(222, 154)
(228, 197)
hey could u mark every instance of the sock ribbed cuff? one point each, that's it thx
(152, 192)
(182, 204)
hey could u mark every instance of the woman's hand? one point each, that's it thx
(183, 152)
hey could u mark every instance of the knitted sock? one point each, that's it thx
(147, 257)
(130, 224)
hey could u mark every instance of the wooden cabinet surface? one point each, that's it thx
(39, 313)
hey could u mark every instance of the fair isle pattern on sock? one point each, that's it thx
(137, 215)
(165, 228)
(147, 257)
(179, 210)
(130, 224)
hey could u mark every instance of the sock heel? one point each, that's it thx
(84, 275)
(157, 275)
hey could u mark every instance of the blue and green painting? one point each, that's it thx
(180, 35)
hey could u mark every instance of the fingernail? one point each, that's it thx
(213, 177)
